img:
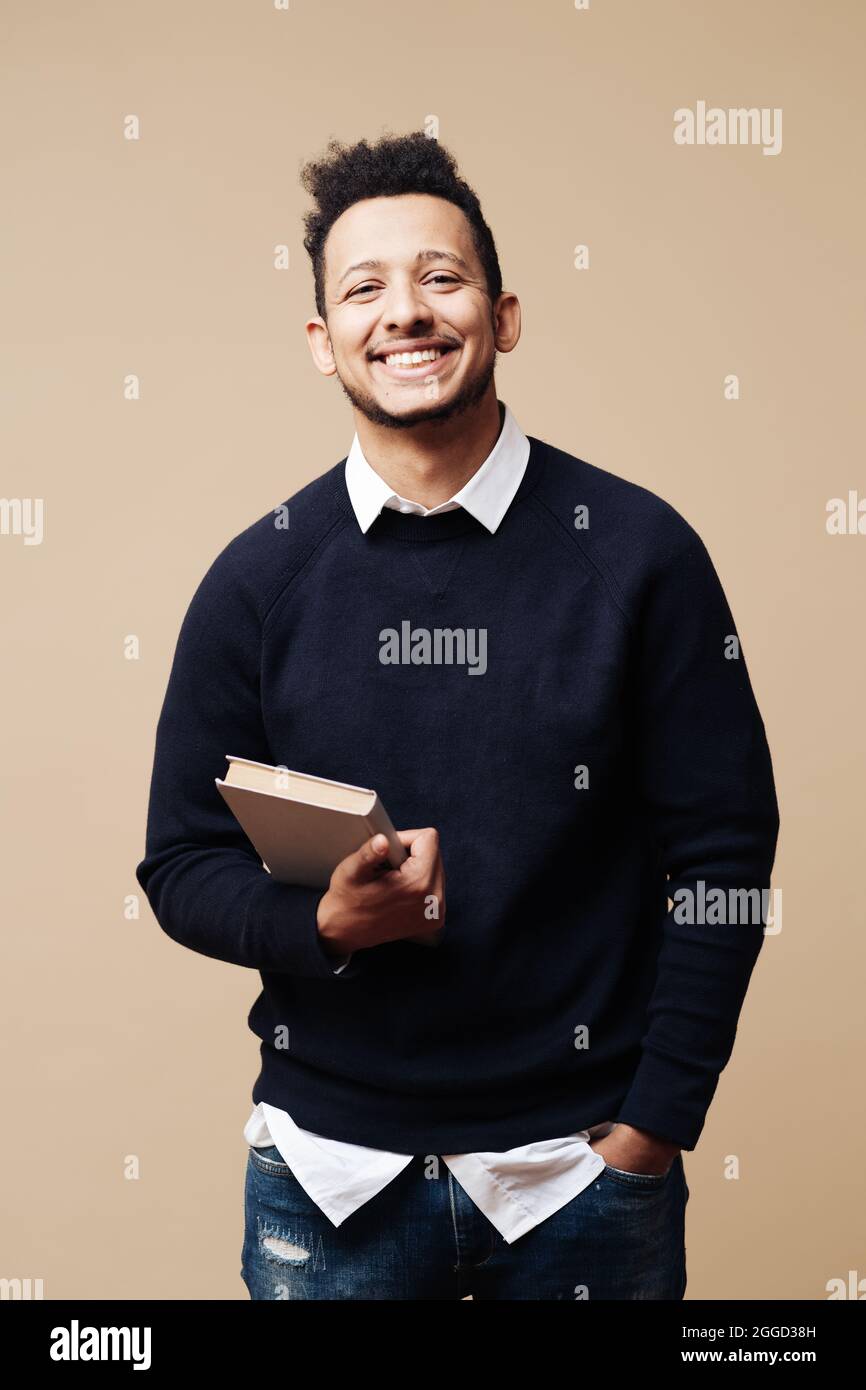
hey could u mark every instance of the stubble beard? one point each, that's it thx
(469, 395)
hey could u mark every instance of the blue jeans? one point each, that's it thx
(423, 1238)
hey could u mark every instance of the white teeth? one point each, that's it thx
(411, 359)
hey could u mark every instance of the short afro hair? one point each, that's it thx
(394, 165)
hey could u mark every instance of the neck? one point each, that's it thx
(429, 462)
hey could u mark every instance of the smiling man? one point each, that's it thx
(479, 1070)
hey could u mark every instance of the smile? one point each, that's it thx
(404, 366)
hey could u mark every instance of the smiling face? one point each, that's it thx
(411, 333)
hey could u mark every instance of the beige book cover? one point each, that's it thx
(301, 825)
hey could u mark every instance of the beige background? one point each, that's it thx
(155, 257)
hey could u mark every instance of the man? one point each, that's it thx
(533, 662)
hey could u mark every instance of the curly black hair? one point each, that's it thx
(395, 164)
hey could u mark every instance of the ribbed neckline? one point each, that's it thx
(406, 526)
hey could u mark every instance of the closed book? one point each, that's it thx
(303, 826)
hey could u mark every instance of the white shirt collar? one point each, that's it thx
(487, 495)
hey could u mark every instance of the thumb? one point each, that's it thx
(363, 865)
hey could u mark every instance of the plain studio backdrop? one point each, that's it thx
(159, 258)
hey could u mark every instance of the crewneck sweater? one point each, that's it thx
(575, 717)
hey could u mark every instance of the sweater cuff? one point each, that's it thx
(669, 1097)
(281, 929)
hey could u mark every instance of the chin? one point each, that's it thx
(452, 401)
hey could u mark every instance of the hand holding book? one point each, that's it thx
(368, 903)
(382, 885)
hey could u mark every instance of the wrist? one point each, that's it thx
(332, 944)
(648, 1142)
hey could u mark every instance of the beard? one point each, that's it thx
(471, 392)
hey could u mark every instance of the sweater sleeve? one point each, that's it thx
(705, 781)
(205, 882)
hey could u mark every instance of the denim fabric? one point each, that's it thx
(422, 1238)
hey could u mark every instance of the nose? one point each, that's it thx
(405, 308)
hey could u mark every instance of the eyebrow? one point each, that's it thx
(427, 254)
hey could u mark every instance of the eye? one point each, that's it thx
(442, 277)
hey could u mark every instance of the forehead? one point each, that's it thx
(394, 230)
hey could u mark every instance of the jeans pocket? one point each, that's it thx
(640, 1181)
(269, 1160)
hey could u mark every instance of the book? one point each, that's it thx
(303, 826)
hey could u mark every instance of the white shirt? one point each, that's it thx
(515, 1189)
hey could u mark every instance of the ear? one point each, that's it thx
(506, 316)
(319, 341)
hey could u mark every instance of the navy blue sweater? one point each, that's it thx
(604, 756)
